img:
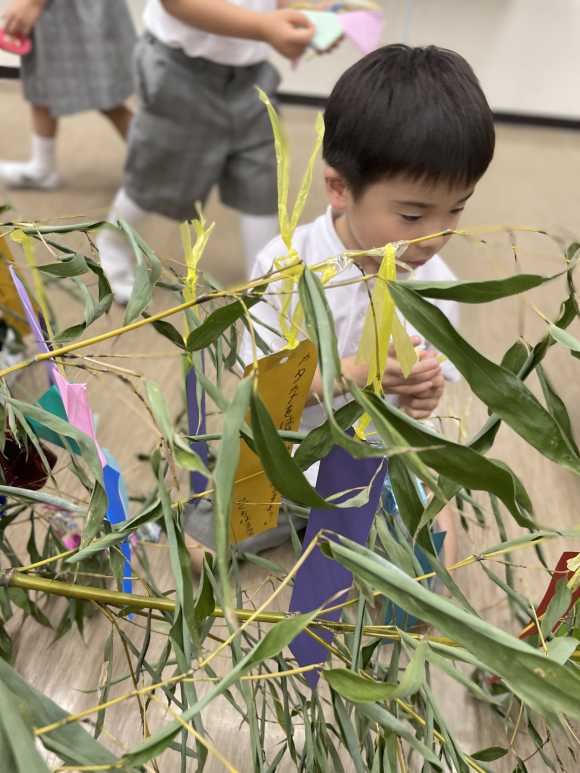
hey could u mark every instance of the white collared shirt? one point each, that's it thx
(236, 52)
(315, 243)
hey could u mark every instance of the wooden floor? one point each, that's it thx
(534, 182)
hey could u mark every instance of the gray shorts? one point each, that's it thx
(198, 524)
(199, 124)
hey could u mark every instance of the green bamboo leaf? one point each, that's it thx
(159, 408)
(500, 390)
(167, 330)
(543, 684)
(19, 754)
(319, 442)
(480, 292)
(357, 689)
(106, 685)
(561, 648)
(490, 754)
(271, 645)
(70, 742)
(224, 478)
(40, 496)
(460, 464)
(557, 607)
(279, 466)
(349, 737)
(387, 720)
(515, 357)
(70, 333)
(152, 513)
(144, 281)
(563, 337)
(69, 265)
(556, 407)
(217, 323)
(180, 561)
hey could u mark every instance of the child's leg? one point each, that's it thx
(114, 253)
(120, 117)
(256, 232)
(43, 122)
(40, 171)
(447, 524)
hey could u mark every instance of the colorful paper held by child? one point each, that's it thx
(9, 298)
(284, 380)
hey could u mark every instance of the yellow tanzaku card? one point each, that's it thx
(284, 380)
(9, 295)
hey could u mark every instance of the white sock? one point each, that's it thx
(115, 254)
(256, 232)
(43, 156)
(127, 209)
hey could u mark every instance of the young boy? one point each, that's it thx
(408, 135)
(199, 120)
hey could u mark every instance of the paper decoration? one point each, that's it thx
(34, 325)
(71, 403)
(118, 509)
(560, 571)
(52, 402)
(364, 28)
(15, 44)
(328, 29)
(197, 426)
(76, 404)
(284, 380)
(9, 297)
(320, 581)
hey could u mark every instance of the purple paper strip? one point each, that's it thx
(34, 325)
(196, 421)
(320, 579)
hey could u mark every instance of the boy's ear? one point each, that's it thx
(336, 188)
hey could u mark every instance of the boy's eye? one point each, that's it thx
(411, 218)
(457, 211)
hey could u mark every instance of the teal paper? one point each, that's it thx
(52, 402)
(328, 29)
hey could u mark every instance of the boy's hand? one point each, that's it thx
(423, 405)
(419, 380)
(21, 17)
(282, 30)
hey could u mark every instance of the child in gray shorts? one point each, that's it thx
(199, 120)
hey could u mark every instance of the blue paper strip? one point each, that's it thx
(320, 579)
(116, 514)
(196, 423)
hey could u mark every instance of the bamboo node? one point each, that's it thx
(5, 577)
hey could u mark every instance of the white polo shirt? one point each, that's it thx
(315, 243)
(236, 52)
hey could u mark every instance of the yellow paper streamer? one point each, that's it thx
(290, 262)
(194, 252)
(284, 381)
(381, 322)
(9, 295)
(28, 245)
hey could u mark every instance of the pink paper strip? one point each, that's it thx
(76, 405)
(34, 324)
(364, 28)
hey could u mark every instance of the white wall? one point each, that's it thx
(525, 52)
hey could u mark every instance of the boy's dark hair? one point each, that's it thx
(414, 111)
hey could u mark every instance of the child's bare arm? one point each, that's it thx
(22, 15)
(286, 30)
